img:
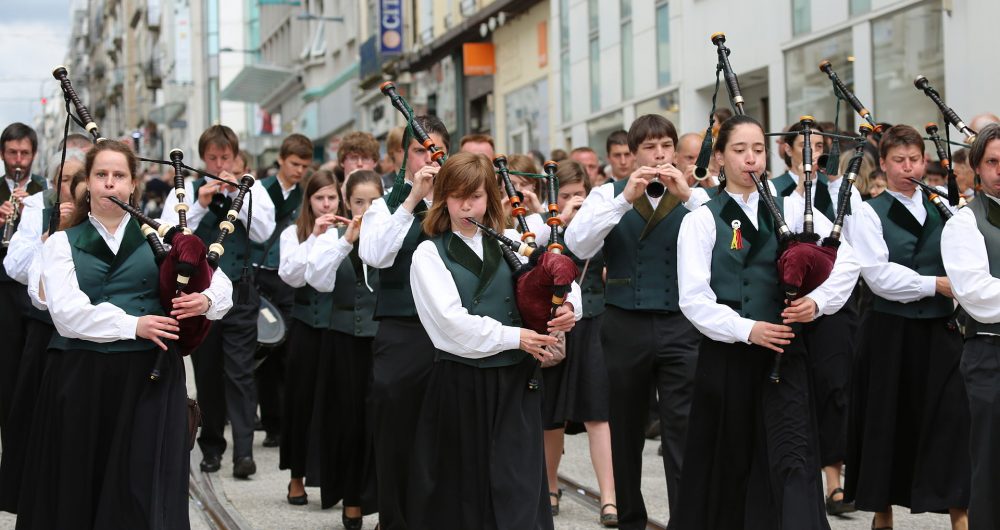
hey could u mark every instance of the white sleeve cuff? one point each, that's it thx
(127, 327)
(928, 286)
(743, 328)
(511, 338)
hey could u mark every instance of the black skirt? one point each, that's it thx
(22, 411)
(345, 442)
(576, 390)
(306, 345)
(478, 458)
(908, 433)
(750, 461)
(108, 448)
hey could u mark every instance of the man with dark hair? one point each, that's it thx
(402, 351)
(223, 364)
(970, 249)
(619, 156)
(294, 158)
(646, 339)
(478, 143)
(587, 158)
(18, 146)
(908, 439)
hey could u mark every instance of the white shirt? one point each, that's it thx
(886, 279)
(294, 257)
(261, 226)
(601, 211)
(698, 301)
(382, 234)
(963, 251)
(75, 317)
(326, 256)
(448, 324)
(26, 244)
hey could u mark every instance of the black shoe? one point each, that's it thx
(351, 523)
(558, 497)
(838, 507)
(244, 466)
(271, 440)
(301, 500)
(257, 425)
(653, 430)
(211, 463)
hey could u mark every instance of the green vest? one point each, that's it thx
(35, 185)
(286, 211)
(591, 285)
(353, 303)
(486, 288)
(395, 299)
(235, 244)
(128, 280)
(312, 307)
(915, 247)
(785, 185)
(987, 213)
(746, 279)
(641, 255)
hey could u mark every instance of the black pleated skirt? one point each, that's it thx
(108, 448)
(306, 345)
(908, 433)
(478, 458)
(750, 461)
(22, 411)
(576, 390)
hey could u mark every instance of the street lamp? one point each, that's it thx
(310, 16)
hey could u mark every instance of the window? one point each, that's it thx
(809, 91)
(595, 57)
(801, 16)
(663, 44)
(626, 47)
(598, 129)
(859, 7)
(565, 81)
(666, 105)
(906, 44)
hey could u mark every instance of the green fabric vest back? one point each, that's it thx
(395, 299)
(353, 303)
(785, 185)
(915, 247)
(641, 255)
(35, 185)
(235, 244)
(746, 279)
(286, 212)
(486, 288)
(592, 284)
(987, 213)
(128, 280)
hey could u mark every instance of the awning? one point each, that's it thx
(167, 112)
(257, 82)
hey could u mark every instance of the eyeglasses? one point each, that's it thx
(357, 159)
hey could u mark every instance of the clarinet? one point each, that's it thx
(553, 221)
(11, 223)
(517, 209)
(226, 227)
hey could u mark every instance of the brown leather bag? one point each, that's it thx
(194, 421)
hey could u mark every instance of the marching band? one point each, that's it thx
(418, 343)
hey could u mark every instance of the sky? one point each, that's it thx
(33, 39)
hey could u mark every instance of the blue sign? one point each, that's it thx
(390, 27)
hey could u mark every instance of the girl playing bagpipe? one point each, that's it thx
(478, 457)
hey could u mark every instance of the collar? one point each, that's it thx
(103, 230)
(914, 198)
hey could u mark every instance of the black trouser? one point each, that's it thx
(981, 371)
(14, 304)
(643, 349)
(271, 372)
(223, 373)
(829, 343)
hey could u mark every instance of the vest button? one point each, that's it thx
(142, 309)
(746, 298)
(358, 284)
(506, 299)
(475, 301)
(745, 283)
(638, 275)
(357, 319)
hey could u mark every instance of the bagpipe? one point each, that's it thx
(804, 262)
(401, 188)
(944, 153)
(188, 266)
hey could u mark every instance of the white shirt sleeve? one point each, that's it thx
(382, 234)
(328, 252)
(963, 251)
(220, 292)
(34, 280)
(697, 299)
(598, 214)
(196, 212)
(294, 257)
(888, 280)
(263, 224)
(25, 244)
(448, 324)
(72, 313)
